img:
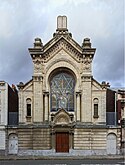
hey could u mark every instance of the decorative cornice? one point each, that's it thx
(62, 43)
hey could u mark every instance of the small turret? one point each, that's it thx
(86, 43)
(105, 85)
(38, 44)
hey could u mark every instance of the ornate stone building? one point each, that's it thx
(63, 108)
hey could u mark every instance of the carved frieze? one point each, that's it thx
(61, 118)
(86, 78)
(38, 66)
(38, 78)
(62, 59)
(62, 44)
(86, 63)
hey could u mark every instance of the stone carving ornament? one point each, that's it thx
(38, 66)
(87, 63)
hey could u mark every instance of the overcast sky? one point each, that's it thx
(23, 20)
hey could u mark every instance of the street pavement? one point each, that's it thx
(64, 162)
(16, 157)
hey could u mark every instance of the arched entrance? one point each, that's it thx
(62, 131)
(111, 143)
(13, 144)
(62, 100)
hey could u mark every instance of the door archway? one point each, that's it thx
(111, 143)
(13, 144)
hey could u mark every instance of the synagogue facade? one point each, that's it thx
(63, 109)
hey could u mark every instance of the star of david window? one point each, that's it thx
(62, 92)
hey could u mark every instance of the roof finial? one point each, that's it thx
(62, 27)
(61, 23)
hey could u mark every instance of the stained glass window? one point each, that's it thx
(62, 92)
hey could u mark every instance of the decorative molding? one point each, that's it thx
(61, 118)
(38, 66)
(78, 93)
(61, 60)
(37, 78)
(86, 78)
(87, 60)
(62, 43)
(46, 93)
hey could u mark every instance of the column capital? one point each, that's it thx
(37, 78)
(78, 92)
(46, 92)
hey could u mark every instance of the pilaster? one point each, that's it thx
(38, 98)
(78, 103)
(86, 106)
(21, 103)
(46, 113)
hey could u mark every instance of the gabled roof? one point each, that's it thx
(21, 85)
(62, 38)
(67, 38)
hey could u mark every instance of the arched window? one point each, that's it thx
(62, 92)
(95, 101)
(28, 104)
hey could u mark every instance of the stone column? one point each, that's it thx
(46, 105)
(71, 139)
(86, 103)
(22, 116)
(53, 139)
(38, 99)
(78, 105)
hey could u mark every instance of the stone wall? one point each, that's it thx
(41, 139)
(89, 139)
(2, 139)
(34, 138)
(94, 140)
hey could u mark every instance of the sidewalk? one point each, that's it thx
(16, 157)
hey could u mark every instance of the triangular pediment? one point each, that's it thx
(96, 85)
(68, 45)
(28, 86)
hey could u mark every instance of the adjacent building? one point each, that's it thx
(120, 100)
(8, 112)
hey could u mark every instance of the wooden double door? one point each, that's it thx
(62, 142)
